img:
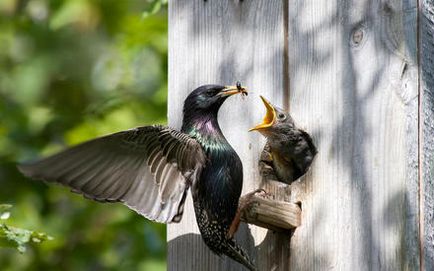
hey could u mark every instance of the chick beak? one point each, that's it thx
(270, 116)
(231, 90)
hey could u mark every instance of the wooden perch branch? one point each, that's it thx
(272, 214)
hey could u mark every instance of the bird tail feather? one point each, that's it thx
(238, 254)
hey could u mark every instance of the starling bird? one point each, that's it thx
(150, 169)
(289, 151)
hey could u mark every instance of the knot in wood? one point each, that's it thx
(358, 35)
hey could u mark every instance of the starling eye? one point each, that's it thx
(281, 116)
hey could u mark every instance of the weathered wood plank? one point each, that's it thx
(272, 214)
(353, 81)
(426, 46)
(222, 42)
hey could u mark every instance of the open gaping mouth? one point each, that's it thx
(270, 116)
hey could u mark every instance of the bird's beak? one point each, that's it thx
(270, 116)
(231, 90)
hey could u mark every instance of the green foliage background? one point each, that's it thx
(71, 70)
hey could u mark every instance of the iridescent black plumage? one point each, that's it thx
(218, 188)
(151, 168)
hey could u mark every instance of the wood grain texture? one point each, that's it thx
(222, 42)
(272, 214)
(426, 40)
(353, 75)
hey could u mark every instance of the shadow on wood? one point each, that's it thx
(191, 251)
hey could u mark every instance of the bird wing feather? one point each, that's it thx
(149, 169)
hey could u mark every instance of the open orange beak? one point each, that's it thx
(270, 116)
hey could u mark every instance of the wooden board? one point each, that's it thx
(267, 212)
(353, 74)
(426, 41)
(222, 42)
(353, 83)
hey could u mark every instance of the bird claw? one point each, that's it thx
(260, 192)
(244, 202)
(247, 198)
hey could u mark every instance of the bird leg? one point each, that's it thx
(244, 202)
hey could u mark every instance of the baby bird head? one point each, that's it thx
(276, 120)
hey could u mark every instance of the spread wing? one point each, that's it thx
(148, 168)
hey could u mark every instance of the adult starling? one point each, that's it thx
(150, 169)
(289, 151)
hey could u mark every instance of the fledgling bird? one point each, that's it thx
(151, 168)
(289, 151)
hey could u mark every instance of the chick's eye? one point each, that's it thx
(281, 116)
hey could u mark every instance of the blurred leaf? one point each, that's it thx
(155, 7)
(153, 265)
(80, 13)
(4, 207)
(4, 214)
(17, 237)
(8, 6)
